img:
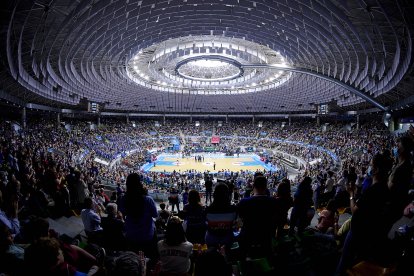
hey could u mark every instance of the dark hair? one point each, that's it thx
(260, 183)
(211, 262)
(407, 145)
(128, 264)
(37, 228)
(221, 195)
(162, 205)
(175, 234)
(380, 166)
(194, 197)
(283, 189)
(88, 203)
(42, 254)
(134, 195)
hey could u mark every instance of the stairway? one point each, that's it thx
(182, 136)
(71, 226)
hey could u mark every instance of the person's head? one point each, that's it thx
(134, 185)
(36, 228)
(128, 263)
(306, 183)
(331, 205)
(405, 146)
(175, 234)
(194, 197)
(380, 167)
(112, 209)
(283, 189)
(221, 195)
(88, 203)
(162, 206)
(260, 184)
(43, 254)
(204, 263)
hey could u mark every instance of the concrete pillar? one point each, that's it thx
(318, 121)
(127, 117)
(24, 117)
(58, 119)
(227, 118)
(253, 119)
(163, 120)
(99, 121)
(191, 119)
(290, 121)
(357, 121)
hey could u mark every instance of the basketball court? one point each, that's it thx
(171, 162)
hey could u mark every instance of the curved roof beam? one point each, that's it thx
(350, 88)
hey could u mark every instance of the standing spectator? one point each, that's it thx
(184, 196)
(284, 203)
(400, 178)
(302, 212)
(367, 238)
(221, 218)
(174, 199)
(260, 217)
(91, 222)
(209, 189)
(194, 218)
(139, 210)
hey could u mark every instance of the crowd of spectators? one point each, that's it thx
(49, 170)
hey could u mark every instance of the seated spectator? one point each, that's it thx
(11, 255)
(128, 263)
(162, 220)
(203, 265)
(327, 218)
(175, 250)
(8, 214)
(74, 255)
(45, 257)
(113, 229)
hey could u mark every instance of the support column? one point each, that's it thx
(318, 121)
(24, 117)
(163, 119)
(227, 118)
(290, 121)
(99, 121)
(191, 119)
(127, 117)
(253, 119)
(357, 121)
(58, 119)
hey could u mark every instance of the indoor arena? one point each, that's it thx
(206, 137)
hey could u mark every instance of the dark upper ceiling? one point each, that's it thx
(63, 52)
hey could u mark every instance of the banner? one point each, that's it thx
(215, 139)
